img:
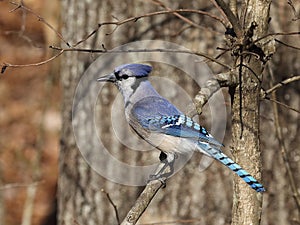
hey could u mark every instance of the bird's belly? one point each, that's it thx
(167, 143)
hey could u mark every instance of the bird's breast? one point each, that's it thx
(168, 143)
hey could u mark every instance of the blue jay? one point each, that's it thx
(162, 125)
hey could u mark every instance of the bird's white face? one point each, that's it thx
(127, 78)
(126, 83)
(126, 86)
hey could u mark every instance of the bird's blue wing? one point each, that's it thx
(180, 126)
(157, 114)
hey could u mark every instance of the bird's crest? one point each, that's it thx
(137, 70)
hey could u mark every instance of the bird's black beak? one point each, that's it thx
(108, 78)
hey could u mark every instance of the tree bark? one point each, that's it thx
(247, 204)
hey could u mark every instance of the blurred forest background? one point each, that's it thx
(30, 115)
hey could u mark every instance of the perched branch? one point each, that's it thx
(142, 202)
(210, 87)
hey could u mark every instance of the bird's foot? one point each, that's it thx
(165, 169)
(159, 177)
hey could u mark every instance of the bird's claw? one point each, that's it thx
(158, 177)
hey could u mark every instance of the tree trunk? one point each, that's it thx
(247, 204)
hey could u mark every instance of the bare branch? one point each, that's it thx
(287, 45)
(282, 104)
(113, 204)
(221, 11)
(40, 18)
(282, 83)
(184, 18)
(142, 202)
(284, 154)
(231, 17)
(277, 34)
(4, 66)
(143, 50)
(296, 17)
(136, 18)
(210, 87)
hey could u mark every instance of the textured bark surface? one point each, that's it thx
(247, 204)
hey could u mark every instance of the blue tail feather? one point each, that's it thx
(224, 159)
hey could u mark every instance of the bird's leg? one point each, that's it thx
(162, 171)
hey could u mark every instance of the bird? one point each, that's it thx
(160, 123)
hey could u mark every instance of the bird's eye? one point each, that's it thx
(125, 76)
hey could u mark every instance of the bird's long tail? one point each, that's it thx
(224, 159)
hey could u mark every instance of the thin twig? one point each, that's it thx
(113, 204)
(277, 34)
(136, 18)
(282, 104)
(142, 202)
(4, 66)
(287, 45)
(40, 18)
(284, 153)
(232, 18)
(184, 18)
(282, 83)
(221, 11)
(296, 17)
(142, 50)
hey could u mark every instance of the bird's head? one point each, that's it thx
(127, 75)
(128, 78)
